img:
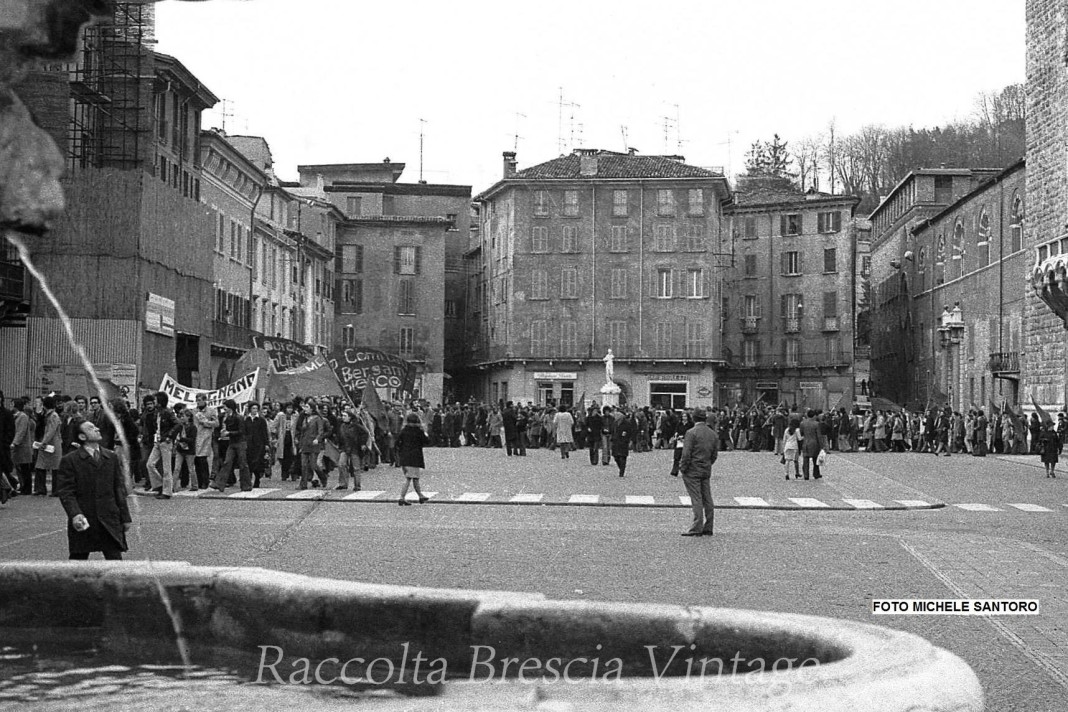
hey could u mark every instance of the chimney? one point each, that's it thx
(509, 164)
(587, 162)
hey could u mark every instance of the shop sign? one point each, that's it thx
(555, 376)
(810, 385)
(159, 315)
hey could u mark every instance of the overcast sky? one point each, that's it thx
(343, 81)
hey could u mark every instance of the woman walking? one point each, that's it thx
(410, 444)
(1049, 446)
(791, 446)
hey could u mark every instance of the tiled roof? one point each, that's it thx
(753, 193)
(616, 165)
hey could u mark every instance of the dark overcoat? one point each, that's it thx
(97, 490)
(410, 444)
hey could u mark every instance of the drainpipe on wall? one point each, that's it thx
(252, 257)
(641, 260)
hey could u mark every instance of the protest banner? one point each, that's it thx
(314, 378)
(357, 366)
(242, 390)
(284, 353)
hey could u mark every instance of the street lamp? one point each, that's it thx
(951, 326)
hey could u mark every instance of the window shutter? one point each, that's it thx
(783, 305)
(784, 262)
(396, 260)
(418, 260)
(678, 283)
(782, 224)
(359, 258)
(358, 295)
(800, 261)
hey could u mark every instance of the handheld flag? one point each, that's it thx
(1042, 414)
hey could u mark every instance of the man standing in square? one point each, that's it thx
(93, 493)
(700, 448)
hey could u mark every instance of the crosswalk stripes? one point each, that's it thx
(473, 497)
(808, 502)
(307, 494)
(974, 507)
(1029, 507)
(253, 493)
(363, 495)
(620, 500)
(863, 504)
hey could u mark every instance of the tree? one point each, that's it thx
(769, 158)
(806, 156)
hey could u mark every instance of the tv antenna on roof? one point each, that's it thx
(422, 122)
(518, 116)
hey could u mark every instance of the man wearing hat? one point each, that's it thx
(700, 448)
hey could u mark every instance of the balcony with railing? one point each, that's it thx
(1004, 363)
(750, 324)
(830, 323)
(238, 337)
(790, 361)
(792, 325)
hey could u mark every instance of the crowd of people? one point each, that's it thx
(174, 446)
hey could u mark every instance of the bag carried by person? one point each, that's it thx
(821, 459)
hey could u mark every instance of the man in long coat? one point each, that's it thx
(700, 449)
(811, 443)
(93, 493)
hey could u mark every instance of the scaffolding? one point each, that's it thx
(107, 119)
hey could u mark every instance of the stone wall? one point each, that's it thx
(1047, 191)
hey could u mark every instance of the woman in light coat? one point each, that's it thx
(49, 449)
(563, 431)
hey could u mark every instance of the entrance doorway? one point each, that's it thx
(187, 359)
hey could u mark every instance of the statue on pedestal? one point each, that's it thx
(609, 367)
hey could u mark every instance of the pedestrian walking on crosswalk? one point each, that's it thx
(410, 444)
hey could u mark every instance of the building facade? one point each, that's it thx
(232, 188)
(594, 251)
(131, 261)
(969, 261)
(1043, 371)
(788, 301)
(391, 286)
(920, 195)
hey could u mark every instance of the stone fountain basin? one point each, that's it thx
(620, 655)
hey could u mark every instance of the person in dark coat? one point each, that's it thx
(93, 493)
(511, 431)
(257, 437)
(699, 452)
(7, 436)
(410, 444)
(811, 444)
(1049, 447)
(594, 424)
(622, 433)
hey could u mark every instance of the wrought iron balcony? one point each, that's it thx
(793, 325)
(1004, 362)
(750, 324)
(830, 323)
(232, 335)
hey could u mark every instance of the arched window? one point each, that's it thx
(940, 260)
(921, 268)
(1016, 219)
(957, 253)
(982, 237)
